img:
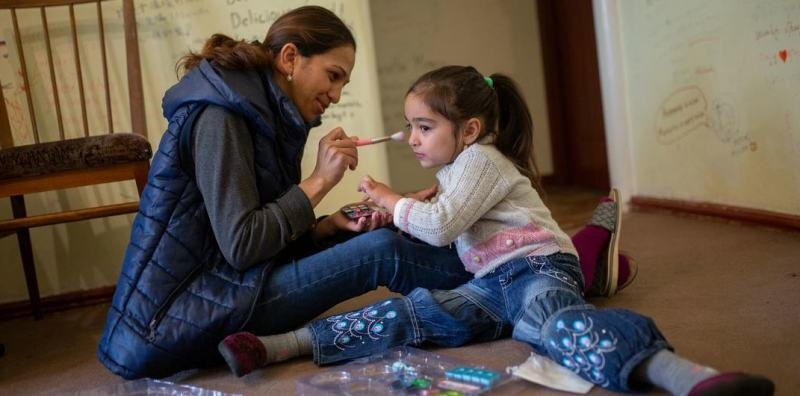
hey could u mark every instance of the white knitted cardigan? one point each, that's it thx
(488, 208)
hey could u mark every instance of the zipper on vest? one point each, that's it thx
(267, 268)
(162, 310)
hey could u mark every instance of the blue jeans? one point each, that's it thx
(537, 299)
(299, 289)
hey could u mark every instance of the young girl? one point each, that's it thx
(527, 277)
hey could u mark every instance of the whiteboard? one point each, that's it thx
(167, 32)
(713, 91)
(87, 255)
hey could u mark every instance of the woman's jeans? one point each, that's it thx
(298, 290)
(537, 299)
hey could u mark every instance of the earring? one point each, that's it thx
(289, 77)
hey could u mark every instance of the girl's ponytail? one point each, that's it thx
(515, 127)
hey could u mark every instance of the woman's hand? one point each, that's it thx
(336, 154)
(379, 218)
(337, 222)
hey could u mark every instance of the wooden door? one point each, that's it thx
(573, 94)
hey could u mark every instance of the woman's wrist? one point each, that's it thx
(315, 189)
(324, 229)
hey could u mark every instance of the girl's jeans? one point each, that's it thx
(301, 288)
(537, 298)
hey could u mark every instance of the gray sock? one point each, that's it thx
(672, 372)
(305, 343)
(289, 345)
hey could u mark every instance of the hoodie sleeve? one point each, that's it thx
(247, 232)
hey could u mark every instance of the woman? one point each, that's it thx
(226, 239)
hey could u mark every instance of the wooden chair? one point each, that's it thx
(77, 152)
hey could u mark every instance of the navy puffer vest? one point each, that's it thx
(176, 296)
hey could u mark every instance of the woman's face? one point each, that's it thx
(317, 81)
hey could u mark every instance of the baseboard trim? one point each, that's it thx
(61, 302)
(748, 215)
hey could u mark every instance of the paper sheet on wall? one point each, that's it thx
(544, 371)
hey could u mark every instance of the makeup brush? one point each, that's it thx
(397, 137)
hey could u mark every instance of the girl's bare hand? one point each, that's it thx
(424, 194)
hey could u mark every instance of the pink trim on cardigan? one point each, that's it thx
(498, 246)
(404, 215)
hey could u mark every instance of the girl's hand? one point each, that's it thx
(379, 193)
(425, 194)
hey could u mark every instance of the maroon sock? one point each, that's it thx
(624, 270)
(243, 352)
(590, 242)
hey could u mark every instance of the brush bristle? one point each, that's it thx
(399, 136)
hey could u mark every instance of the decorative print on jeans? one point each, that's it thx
(584, 348)
(364, 325)
(543, 266)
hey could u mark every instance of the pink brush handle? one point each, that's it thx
(363, 142)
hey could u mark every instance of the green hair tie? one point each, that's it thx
(489, 81)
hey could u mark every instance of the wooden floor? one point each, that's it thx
(57, 353)
(724, 294)
(572, 207)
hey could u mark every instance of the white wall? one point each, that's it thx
(702, 100)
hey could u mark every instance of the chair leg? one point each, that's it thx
(26, 253)
(141, 176)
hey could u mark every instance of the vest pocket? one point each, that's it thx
(162, 310)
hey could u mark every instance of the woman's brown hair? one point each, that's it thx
(313, 29)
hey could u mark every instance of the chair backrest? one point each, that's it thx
(64, 78)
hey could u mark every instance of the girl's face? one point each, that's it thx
(431, 135)
(317, 81)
